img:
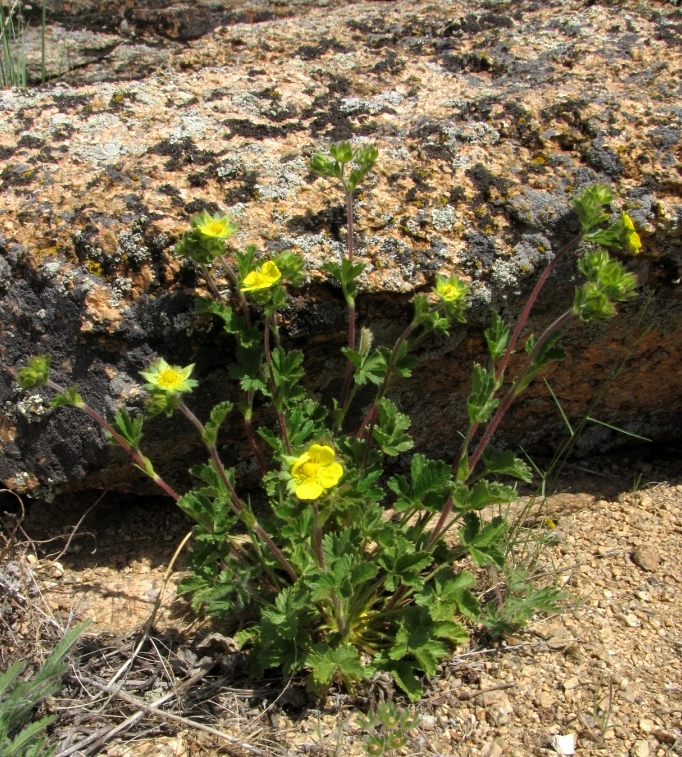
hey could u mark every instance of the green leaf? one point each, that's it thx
(129, 428)
(549, 352)
(590, 203)
(342, 152)
(402, 564)
(68, 397)
(323, 166)
(506, 464)
(36, 373)
(218, 415)
(497, 337)
(200, 248)
(291, 266)
(327, 664)
(248, 368)
(445, 596)
(245, 261)
(481, 402)
(483, 544)
(287, 368)
(416, 637)
(404, 675)
(429, 486)
(389, 433)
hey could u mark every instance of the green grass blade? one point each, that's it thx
(561, 410)
(619, 430)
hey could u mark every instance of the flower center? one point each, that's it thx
(169, 379)
(309, 469)
(215, 227)
(448, 292)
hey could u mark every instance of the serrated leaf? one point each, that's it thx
(327, 664)
(129, 428)
(497, 337)
(416, 637)
(507, 464)
(69, 397)
(390, 433)
(481, 402)
(404, 675)
(218, 415)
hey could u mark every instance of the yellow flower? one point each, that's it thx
(632, 239)
(452, 289)
(262, 278)
(162, 377)
(219, 227)
(314, 471)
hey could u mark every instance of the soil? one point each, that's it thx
(606, 673)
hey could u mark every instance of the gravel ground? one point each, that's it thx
(604, 676)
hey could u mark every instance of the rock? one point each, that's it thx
(563, 744)
(646, 557)
(492, 749)
(666, 736)
(640, 748)
(646, 725)
(545, 700)
(427, 722)
(498, 708)
(481, 152)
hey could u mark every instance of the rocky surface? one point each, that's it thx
(488, 116)
(606, 673)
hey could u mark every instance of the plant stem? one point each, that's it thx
(511, 396)
(248, 396)
(349, 301)
(211, 282)
(531, 301)
(139, 459)
(235, 280)
(273, 386)
(237, 503)
(502, 365)
(501, 411)
(317, 538)
(370, 418)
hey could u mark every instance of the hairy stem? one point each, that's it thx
(237, 503)
(511, 396)
(350, 302)
(501, 412)
(370, 418)
(273, 386)
(137, 456)
(531, 301)
(235, 281)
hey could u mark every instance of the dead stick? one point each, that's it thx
(152, 710)
(99, 738)
(474, 694)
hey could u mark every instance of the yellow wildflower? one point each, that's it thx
(162, 377)
(451, 290)
(314, 471)
(219, 227)
(632, 239)
(262, 278)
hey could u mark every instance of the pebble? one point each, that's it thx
(640, 749)
(646, 557)
(492, 749)
(498, 708)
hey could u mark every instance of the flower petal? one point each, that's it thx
(321, 454)
(329, 475)
(308, 489)
(300, 462)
